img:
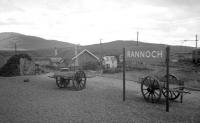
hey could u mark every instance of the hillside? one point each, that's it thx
(115, 47)
(25, 42)
(42, 47)
(110, 48)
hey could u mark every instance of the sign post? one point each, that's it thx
(124, 80)
(167, 72)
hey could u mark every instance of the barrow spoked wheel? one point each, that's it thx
(151, 90)
(66, 82)
(60, 82)
(79, 80)
(172, 93)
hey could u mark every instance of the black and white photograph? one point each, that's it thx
(99, 61)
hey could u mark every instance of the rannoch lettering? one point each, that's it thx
(145, 54)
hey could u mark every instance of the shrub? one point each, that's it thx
(11, 68)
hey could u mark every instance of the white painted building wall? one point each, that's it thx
(110, 62)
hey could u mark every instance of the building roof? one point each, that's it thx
(110, 56)
(40, 58)
(56, 59)
(85, 50)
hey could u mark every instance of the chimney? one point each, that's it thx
(55, 51)
(76, 53)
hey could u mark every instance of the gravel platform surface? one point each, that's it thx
(41, 101)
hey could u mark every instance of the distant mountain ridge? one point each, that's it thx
(115, 47)
(39, 47)
(25, 42)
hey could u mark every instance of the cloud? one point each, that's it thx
(187, 8)
(12, 21)
(86, 21)
(7, 6)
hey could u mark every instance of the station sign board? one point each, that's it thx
(145, 54)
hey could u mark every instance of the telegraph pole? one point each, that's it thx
(76, 59)
(101, 57)
(137, 37)
(196, 41)
(15, 48)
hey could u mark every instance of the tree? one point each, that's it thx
(11, 68)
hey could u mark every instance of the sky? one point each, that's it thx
(85, 22)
